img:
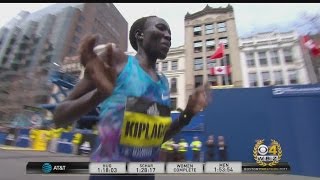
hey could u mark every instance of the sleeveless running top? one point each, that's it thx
(134, 119)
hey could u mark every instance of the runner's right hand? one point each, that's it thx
(98, 68)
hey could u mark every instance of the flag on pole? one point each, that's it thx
(219, 53)
(220, 70)
(311, 45)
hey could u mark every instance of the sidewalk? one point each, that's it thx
(8, 152)
(13, 148)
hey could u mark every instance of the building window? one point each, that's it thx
(250, 59)
(263, 58)
(213, 80)
(224, 40)
(209, 28)
(8, 50)
(225, 61)
(293, 76)
(76, 40)
(274, 57)
(173, 103)
(4, 60)
(198, 79)
(222, 27)
(174, 65)
(12, 41)
(81, 18)
(72, 50)
(32, 51)
(265, 78)
(230, 79)
(173, 85)
(253, 80)
(94, 30)
(164, 66)
(210, 44)
(227, 80)
(79, 29)
(197, 30)
(198, 64)
(287, 55)
(197, 46)
(278, 79)
(211, 63)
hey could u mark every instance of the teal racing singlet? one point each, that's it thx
(135, 118)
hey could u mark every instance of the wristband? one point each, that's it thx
(185, 118)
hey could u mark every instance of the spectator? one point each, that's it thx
(210, 148)
(182, 149)
(75, 143)
(222, 148)
(163, 151)
(196, 148)
(170, 150)
(56, 133)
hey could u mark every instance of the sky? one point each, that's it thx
(250, 17)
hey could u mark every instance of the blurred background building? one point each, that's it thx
(64, 25)
(174, 69)
(36, 43)
(272, 58)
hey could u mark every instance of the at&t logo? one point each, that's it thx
(46, 168)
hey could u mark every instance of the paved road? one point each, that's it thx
(13, 167)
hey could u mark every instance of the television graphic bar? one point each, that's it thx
(214, 167)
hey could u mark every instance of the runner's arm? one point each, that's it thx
(81, 100)
(85, 96)
(196, 102)
(176, 126)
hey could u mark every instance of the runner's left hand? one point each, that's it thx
(199, 99)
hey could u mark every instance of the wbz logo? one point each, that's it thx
(268, 154)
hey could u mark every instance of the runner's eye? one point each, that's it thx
(161, 27)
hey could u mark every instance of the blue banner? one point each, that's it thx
(23, 138)
(196, 124)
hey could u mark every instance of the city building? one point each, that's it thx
(173, 67)
(272, 58)
(204, 31)
(37, 41)
(64, 25)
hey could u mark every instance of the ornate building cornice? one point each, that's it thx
(208, 10)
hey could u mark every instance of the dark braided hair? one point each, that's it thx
(137, 25)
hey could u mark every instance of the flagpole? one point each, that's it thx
(226, 75)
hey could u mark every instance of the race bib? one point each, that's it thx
(144, 126)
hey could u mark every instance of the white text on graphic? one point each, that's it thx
(59, 168)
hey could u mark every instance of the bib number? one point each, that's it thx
(143, 129)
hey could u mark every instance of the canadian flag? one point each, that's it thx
(220, 70)
(311, 45)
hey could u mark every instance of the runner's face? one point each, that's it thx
(157, 37)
